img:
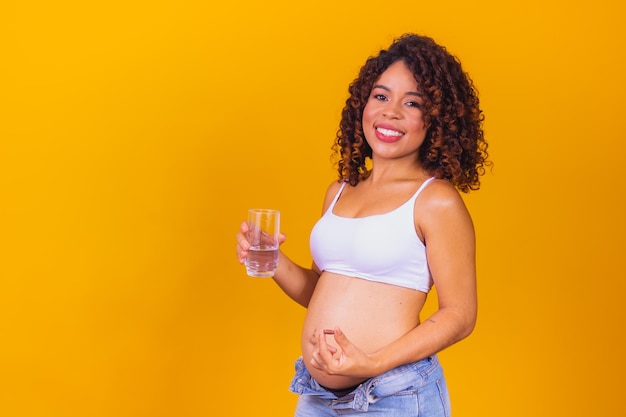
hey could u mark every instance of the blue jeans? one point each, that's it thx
(411, 390)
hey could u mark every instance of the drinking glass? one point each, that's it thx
(263, 230)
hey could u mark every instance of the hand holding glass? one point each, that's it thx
(263, 231)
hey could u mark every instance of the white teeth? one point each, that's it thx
(388, 132)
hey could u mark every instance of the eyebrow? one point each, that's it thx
(408, 93)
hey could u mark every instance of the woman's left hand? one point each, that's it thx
(345, 359)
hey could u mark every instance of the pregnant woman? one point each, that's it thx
(393, 226)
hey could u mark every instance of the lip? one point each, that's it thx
(384, 138)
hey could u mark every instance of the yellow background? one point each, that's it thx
(135, 135)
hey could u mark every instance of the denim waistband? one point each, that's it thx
(409, 376)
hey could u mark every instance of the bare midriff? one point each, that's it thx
(371, 315)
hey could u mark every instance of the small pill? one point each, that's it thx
(327, 331)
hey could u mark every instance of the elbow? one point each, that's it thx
(462, 323)
(468, 328)
(468, 324)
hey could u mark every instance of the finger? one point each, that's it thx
(317, 362)
(241, 254)
(341, 339)
(322, 340)
(281, 238)
(241, 248)
(326, 351)
(330, 348)
(242, 241)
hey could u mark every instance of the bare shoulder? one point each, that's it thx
(440, 201)
(331, 192)
(333, 188)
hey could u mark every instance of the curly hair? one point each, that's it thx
(454, 148)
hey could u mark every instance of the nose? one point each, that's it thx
(391, 110)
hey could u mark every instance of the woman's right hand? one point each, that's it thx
(243, 245)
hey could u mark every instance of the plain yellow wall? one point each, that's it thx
(134, 136)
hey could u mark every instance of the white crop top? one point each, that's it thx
(382, 247)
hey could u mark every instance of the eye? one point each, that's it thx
(415, 104)
(379, 97)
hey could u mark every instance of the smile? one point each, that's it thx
(388, 135)
(389, 132)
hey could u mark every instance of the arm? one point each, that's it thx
(451, 250)
(445, 224)
(295, 281)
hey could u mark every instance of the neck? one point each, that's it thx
(387, 171)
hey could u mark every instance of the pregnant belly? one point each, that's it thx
(371, 315)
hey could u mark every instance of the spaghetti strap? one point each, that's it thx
(332, 204)
(419, 190)
(424, 184)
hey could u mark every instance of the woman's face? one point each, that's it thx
(392, 119)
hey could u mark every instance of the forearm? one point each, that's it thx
(444, 328)
(295, 281)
